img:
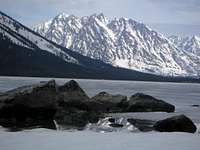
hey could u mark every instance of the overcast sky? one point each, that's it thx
(32, 12)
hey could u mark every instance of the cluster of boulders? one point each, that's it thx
(179, 123)
(40, 104)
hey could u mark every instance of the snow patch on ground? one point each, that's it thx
(42, 139)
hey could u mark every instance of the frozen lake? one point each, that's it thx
(182, 95)
(42, 139)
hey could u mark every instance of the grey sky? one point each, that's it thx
(31, 12)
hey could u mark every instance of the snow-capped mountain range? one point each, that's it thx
(24, 52)
(121, 42)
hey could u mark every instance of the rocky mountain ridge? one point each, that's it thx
(120, 42)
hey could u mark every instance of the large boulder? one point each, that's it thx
(145, 103)
(29, 106)
(179, 123)
(71, 91)
(106, 102)
(75, 107)
(76, 114)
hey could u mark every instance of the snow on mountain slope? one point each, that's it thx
(121, 42)
(23, 36)
(64, 27)
(190, 44)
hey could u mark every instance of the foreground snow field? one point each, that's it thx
(42, 139)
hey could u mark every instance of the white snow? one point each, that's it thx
(13, 39)
(102, 25)
(42, 139)
(121, 63)
(189, 44)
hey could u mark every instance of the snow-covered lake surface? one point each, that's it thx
(182, 95)
(41, 139)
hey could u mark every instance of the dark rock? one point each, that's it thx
(112, 120)
(79, 105)
(195, 105)
(145, 103)
(71, 91)
(109, 102)
(106, 97)
(116, 125)
(179, 123)
(28, 106)
(75, 109)
(141, 124)
(95, 106)
(71, 118)
(76, 118)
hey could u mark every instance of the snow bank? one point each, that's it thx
(42, 139)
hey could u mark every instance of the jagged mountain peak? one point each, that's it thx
(124, 42)
(100, 17)
(103, 18)
(195, 38)
(65, 17)
(62, 15)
